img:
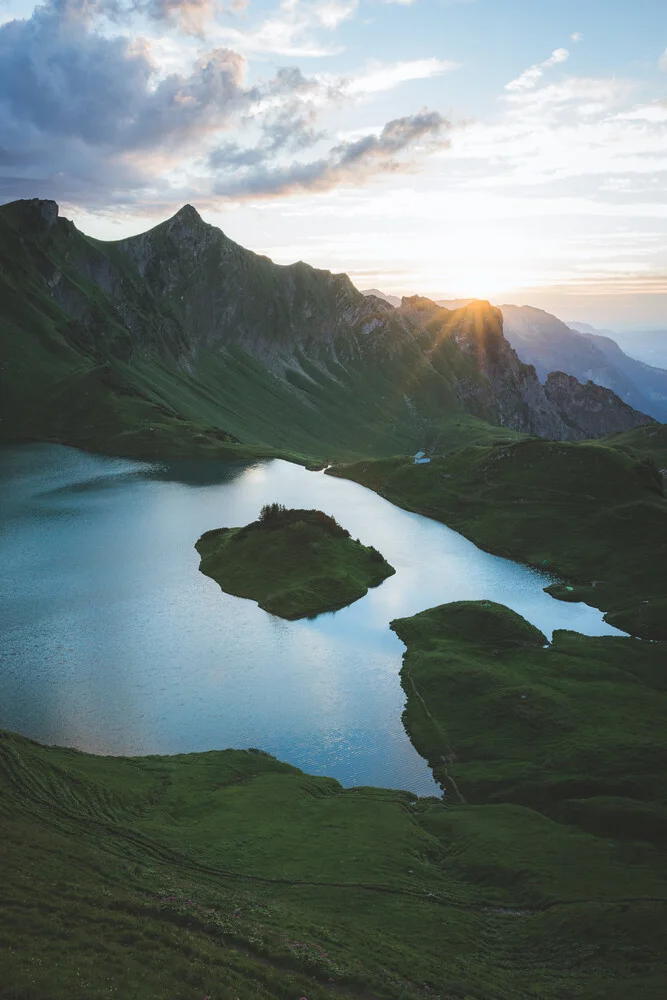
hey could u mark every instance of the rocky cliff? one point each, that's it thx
(588, 407)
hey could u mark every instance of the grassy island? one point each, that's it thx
(294, 563)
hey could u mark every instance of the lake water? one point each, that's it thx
(113, 642)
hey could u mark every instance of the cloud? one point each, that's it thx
(529, 78)
(385, 76)
(566, 137)
(96, 120)
(68, 82)
(654, 112)
(581, 96)
(83, 114)
(191, 16)
(662, 62)
(576, 36)
(350, 162)
(292, 30)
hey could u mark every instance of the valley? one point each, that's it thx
(151, 862)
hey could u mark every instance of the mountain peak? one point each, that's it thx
(188, 214)
(47, 209)
(35, 210)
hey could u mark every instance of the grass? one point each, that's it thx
(574, 729)
(593, 514)
(230, 874)
(294, 563)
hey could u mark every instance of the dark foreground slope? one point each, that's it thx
(593, 514)
(179, 341)
(294, 563)
(229, 874)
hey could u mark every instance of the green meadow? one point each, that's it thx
(230, 874)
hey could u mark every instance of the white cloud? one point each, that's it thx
(580, 96)
(385, 76)
(576, 36)
(655, 112)
(528, 79)
(662, 61)
(570, 136)
(292, 30)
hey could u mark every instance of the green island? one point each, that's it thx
(294, 563)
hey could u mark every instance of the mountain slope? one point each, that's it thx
(230, 874)
(542, 340)
(179, 340)
(647, 346)
(651, 382)
(393, 300)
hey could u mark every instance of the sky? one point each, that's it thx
(514, 150)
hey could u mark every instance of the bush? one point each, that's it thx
(273, 513)
(276, 515)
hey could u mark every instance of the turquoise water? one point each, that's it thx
(112, 641)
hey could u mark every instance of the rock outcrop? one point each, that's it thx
(590, 410)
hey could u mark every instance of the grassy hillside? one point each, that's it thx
(294, 563)
(229, 874)
(648, 442)
(590, 513)
(575, 728)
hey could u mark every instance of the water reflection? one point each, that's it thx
(112, 640)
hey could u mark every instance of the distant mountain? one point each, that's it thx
(180, 340)
(587, 328)
(455, 303)
(550, 345)
(393, 300)
(649, 346)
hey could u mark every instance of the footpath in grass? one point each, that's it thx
(294, 563)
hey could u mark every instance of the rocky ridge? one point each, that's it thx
(223, 324)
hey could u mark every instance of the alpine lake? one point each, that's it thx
(113, 642)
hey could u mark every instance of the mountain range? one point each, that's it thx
(649, 346)
(546, 342)
(179, 339)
